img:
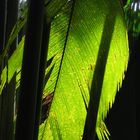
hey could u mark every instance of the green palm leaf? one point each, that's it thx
(89, 40)
(88, 44)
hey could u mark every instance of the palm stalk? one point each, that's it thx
(3, 10)
(97, 83)
(43, 59)
(3, 13)
(9, 17)
(12, 14)
(30, 72)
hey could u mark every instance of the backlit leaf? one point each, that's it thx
(92, 55)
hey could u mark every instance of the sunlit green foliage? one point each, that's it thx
(88, 44)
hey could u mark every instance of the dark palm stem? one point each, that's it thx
(7, 104)
(3, 11)
(43, 59)
(97, 81)
(30, 72)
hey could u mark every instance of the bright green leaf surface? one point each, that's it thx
(95, 25)
(14, 65)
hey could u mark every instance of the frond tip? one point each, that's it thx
(102, 132)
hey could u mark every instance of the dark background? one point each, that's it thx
(121, 120)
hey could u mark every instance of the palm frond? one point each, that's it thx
(92, 54)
